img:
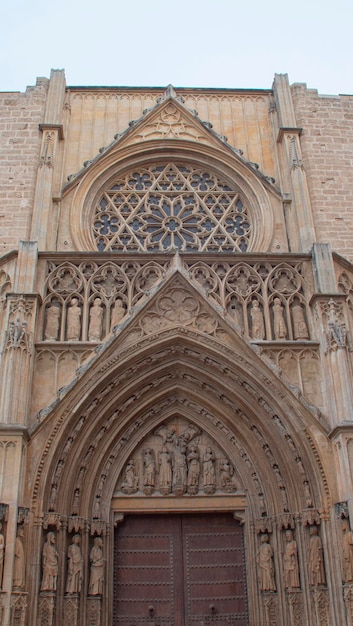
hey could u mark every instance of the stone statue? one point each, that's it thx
(265, 565)
(52, 497)
(49, 564)
(179, 468)
(279, 325)
(208, 470)
(257, 321)
(316, 558)
(118, 312)
(130, 482)
(19, 563)
(75, 566)
(96, 321)
(51, 331)
(234, 309)
(300, 329)
(2, 554)
(97, 568)
(73, 330)
(76, 502)
(193, 460)
(290, 562)
(149, 471)
(347, 553)
(226, 473)
(165, 471)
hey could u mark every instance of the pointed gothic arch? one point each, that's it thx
(186, 360)
(176, 362)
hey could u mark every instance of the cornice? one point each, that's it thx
(58, 127)
(288, 130)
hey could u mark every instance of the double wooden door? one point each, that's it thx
(180, 570)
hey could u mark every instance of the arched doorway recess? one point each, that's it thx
(214, 382)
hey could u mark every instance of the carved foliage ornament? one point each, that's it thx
(18, 335)
(336, 329)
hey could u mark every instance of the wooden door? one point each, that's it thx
(180, 570)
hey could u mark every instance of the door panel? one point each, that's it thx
(180, 570)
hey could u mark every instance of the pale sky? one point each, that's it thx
(189, 43)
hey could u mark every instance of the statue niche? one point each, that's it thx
(178, 459)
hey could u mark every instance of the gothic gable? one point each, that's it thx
(169, 119)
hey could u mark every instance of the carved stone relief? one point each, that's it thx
(335, 325)
(85, 302)
(178, 458)
(246, 291)
(19, 332)
(18, 608)
(265, 301)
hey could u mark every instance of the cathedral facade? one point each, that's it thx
(176, 283)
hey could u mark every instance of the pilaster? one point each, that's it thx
(52, 133)
(289, 139)
(17, 355)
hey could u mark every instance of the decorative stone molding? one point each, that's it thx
(19, 602)
(270, 604)
(94, 611)
(295, 604)
(71, 610)
(320, 602)
(336, 329)
(51, 519)
(348, 600)
(4, 511)
(46, 608)
(22, 515)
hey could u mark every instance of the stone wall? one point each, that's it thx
(327, 148)
(20, 139)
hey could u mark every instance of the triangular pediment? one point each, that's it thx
(171, 120)
(177, 304)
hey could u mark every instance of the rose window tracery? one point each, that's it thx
(171, 206)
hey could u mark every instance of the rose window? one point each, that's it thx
(166, 207)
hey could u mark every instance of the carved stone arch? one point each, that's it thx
(174, 362)
(128, 390)
(262, 200)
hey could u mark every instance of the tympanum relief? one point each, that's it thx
(178, 459)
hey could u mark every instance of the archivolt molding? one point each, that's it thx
(140, 387)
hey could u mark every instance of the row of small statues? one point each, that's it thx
(74, 322)
(118, 312)
(179, 471)
(280, 328)
(74, 578)
(266, 572)
(265, 564)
